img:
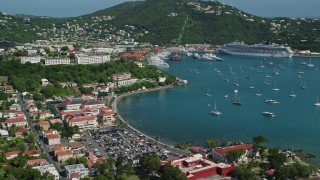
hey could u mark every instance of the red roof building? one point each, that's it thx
(11, 154)
(53, 139)
(196, 166)
(34, 153)
(20, 131)
(220, 154)
(62, 156)
(19, 122)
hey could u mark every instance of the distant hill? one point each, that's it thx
(189, 25)
(186, 21)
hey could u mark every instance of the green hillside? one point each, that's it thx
(172, 21)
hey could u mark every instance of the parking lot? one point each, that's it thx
(114, 142)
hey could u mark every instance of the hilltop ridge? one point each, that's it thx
(169, 21)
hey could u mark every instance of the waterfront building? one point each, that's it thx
(76, 170)
(48, 168)
(220, 154)
(197, 166)
(57, 61)
(92, 59)
(31, 59)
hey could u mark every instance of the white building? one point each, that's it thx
(56, 61)
(88, 59)
(24, 59)
(48, 168)
(79, 169)
(127, 82)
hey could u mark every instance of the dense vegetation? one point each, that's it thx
(28, 77)
(189, 26)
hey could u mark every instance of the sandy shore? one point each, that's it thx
(114, 106)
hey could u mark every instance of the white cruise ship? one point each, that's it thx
(262, 50)
(157, 61)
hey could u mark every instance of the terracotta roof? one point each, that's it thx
(43, 123)
(7, 87)
(64, 153)
(53, 136)
(32, 152)
(8, 154)
(232, 148)
(83, 118)
(108, 113)
(59, 147)
(105, 109)
(15, 120)
(75, 175)
(37, 162)
(21, 130)
(50, 131)
(76, 145)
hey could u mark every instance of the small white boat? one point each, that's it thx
(272, 101)
(236, 91)
(268, 114)
(225, 96)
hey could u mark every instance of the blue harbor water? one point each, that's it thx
(182, 113)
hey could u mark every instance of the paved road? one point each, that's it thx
(39, 143)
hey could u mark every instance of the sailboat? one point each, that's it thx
(300, 72)
(251, 86)
(261, 66)
(208, 93)
(303, 86)
(236, 101)
(317, 102)
(267, 75)
(275, 71)
(292, 94)
(215, 112)
(258, 93)
(309, 64)
(266, 82)
(275, 87)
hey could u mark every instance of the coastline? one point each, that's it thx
(114, 106)
(118, 99)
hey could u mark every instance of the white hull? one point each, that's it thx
(266, 55)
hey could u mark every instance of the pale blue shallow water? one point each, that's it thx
(182, 113)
